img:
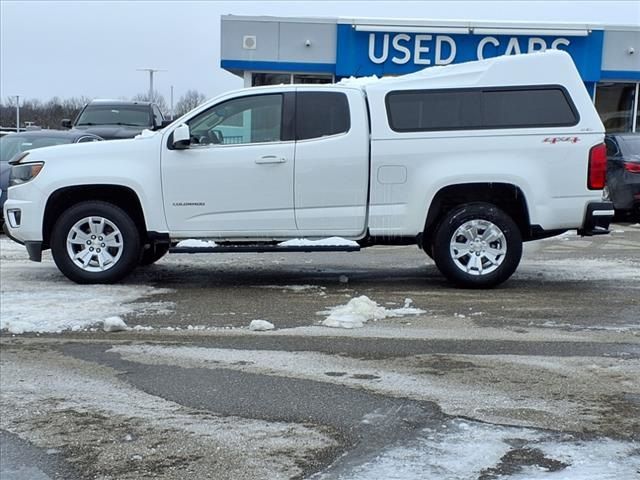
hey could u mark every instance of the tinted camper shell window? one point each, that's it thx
(480, 108)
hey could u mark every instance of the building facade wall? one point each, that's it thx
(266, 50)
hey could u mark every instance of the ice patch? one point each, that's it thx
(361, 309)
(461, 449)
(195, 243)
(260, 325)
(114, 324)
(324, 242)
(578, 269)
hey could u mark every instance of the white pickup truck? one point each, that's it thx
(466, 161)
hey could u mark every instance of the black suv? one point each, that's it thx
(623, 173)
(116, 119)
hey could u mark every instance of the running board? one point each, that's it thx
(265, 249)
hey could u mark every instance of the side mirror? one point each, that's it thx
(66, 123)
(181, 137)
(165, 123)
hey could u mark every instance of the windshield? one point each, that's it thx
(632, 148)
(133, 115)
(13, 144)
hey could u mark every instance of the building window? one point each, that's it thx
(259, 79)
(616, 105)
(313, 79)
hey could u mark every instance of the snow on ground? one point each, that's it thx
(463, 449)
(195, 243)
(458, 449)
(361, 309)
(36, 297)
(75, 391)
(590, 379)
(324, 242)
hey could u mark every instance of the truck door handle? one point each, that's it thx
(270, 159)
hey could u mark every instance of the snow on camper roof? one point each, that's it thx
(547, 67)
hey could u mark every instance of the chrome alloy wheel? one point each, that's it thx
(478, 247)
(94, 244)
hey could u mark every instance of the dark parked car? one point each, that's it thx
(116, 119)
(623, 173)
(15, 143)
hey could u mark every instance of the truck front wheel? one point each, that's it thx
(477, 246)
(95, 242)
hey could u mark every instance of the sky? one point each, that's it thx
(93, 48)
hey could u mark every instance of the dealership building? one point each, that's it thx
(281, 50)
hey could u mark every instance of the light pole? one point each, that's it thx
(17, 113)
(151, 72)
(171, 102)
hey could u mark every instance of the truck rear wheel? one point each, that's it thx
(95, 242)
(477, 246)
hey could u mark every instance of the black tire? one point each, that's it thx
(117, 223)
(477, 266)
(153, 254)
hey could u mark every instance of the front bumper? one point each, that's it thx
(23, 219)
(597, 219)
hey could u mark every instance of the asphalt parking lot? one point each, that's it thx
(537, 379)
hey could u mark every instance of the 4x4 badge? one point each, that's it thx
(561, 139)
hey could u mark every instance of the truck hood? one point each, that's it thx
(112, 132)
(99, 151)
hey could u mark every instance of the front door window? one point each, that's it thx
(254, 119)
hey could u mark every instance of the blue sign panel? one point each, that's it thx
(362, 53)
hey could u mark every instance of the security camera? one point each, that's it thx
(631, 50)
(307, 43)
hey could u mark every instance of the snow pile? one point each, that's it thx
(146, 133)
(114, 324)
(362, 309)
(324, 242)
(260, 325)
(194, 243)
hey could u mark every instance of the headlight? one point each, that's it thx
(25, 172)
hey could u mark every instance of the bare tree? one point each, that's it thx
(189, 101)
(47, 114)
(156, 98)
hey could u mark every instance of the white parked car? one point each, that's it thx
(467, 161)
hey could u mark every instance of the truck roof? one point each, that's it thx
(106, 101)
